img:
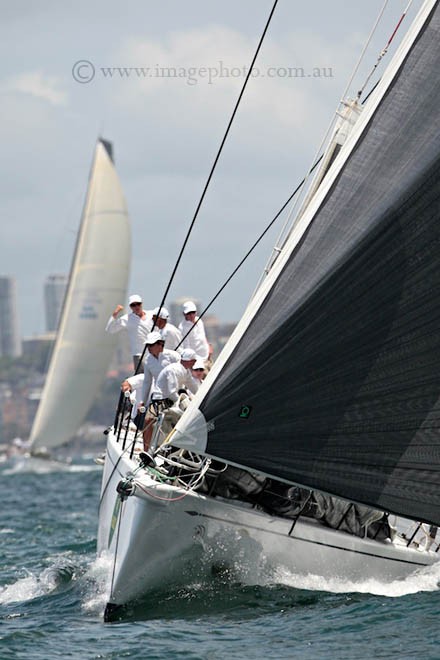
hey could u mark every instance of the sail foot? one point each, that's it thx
(195, 434)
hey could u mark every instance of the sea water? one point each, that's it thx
(53, 592)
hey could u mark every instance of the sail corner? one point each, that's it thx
(108, 146)
(191, 432)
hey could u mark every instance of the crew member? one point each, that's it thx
(196, 338)
(138, 324)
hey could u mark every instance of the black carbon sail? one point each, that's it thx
(332, 380)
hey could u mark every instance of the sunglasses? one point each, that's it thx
(135, 304)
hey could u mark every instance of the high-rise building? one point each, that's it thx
(217, 333)
(54, 291)
(10, 342)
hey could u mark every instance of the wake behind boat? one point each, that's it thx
(321, 415)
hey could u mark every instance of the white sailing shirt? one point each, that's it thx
(196, 338)
(136, 327)
(171, 336)
(152, 368)
(171, 379)
(136, 382)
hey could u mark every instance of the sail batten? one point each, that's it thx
(333, 383)
(98, 277)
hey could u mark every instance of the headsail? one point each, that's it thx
(99, 277)
(332, 378)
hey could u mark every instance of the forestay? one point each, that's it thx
(332, 378)
(98, 278)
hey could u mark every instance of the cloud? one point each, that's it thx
(166, 129)
(177, 91)
(213, 63)
(36, 84)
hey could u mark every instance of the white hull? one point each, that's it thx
(164, 536)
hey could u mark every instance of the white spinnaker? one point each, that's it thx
(98, 280)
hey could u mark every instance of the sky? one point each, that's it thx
(166, 121)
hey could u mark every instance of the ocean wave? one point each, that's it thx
(34, 586)
(425, 579)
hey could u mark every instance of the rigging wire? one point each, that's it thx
(251, 249)
(116, 547)
(287, 227)
(104, 489)
(364, 50)
(214, 165)
(277, 248)
(384, 51)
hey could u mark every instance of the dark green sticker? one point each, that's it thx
(245, 412)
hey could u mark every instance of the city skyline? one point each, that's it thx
(10, 338)
(57, 284)
(55, 287)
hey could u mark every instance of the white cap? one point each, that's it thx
(153, 337)
(188, 354)
(164, 314)
(134, 298)
(189, 306)
(199, 364)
